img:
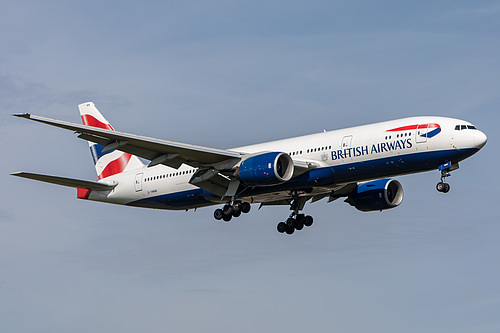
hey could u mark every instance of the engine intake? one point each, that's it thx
(266, 169)
(377, 195)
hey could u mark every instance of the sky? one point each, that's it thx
(225, 74)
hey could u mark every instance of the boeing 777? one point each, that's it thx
(354, 163)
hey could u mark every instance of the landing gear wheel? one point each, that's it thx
(237, 210)
(227, 218)
(228, 210)
(290, 230)
(443, 187)
(308, 221)
(290, 222)
(282, 227)
(245, 207)
(299, 225)
(219, 214)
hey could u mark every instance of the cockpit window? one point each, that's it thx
(464, 127)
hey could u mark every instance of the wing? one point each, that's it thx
(216, 166)
(170, 153)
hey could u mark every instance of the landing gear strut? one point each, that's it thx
(295, 221)
(442, 186)
(231, 210)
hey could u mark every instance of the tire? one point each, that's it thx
(290, 230)
(299, 225)
(228, 210)
(308, 221)
(290, 222)
(236, 213)
(218, 214)
(440, 187)
(446, 188)
(227, 218)
(281, 227)
(245, 207)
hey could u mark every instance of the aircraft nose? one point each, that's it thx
(479, 139)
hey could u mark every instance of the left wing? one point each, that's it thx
(170, 153)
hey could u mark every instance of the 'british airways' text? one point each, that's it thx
(374, 149)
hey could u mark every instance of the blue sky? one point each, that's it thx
(225, 74)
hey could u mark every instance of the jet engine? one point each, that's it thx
(266, 169)
(377, 195)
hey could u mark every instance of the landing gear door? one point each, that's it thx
(138, 182)
(421, 133)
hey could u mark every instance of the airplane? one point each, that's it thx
(355, 163)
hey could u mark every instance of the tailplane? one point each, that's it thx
(107, 163)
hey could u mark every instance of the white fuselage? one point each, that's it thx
(354, 154)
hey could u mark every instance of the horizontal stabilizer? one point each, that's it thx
(70, 182)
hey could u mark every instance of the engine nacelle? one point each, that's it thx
(266, 169)
(377, 195)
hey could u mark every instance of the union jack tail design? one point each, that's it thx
(108, 163)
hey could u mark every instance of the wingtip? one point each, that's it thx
(18, 174)
(22, 115)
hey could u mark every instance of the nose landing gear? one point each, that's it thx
(445, 169)
(443, 187)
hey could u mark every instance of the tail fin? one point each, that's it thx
(109, 163)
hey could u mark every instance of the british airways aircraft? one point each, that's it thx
(354, 163)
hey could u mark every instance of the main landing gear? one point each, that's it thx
(296, 221)
(231, 210)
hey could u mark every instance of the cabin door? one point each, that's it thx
(421, 133)
(138, 182)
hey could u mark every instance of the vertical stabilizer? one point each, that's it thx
(106, 163)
